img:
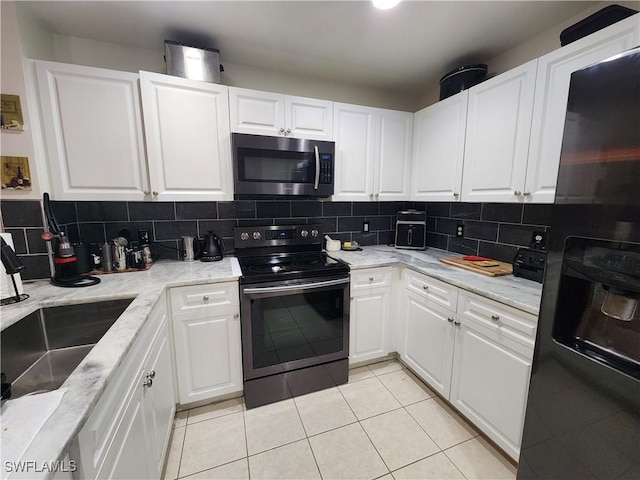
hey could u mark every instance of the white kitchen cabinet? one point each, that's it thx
(552, 90)
(127, 434)
(93, 132)
(497, 138)
(438, 150)
(369, 316)
(188, 138)
(492, 367)
(373, 153)
(267, 113)
(206, 329)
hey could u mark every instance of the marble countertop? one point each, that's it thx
(87, 383)
(90, 379)
(517, 292)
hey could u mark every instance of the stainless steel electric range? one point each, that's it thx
(294, 304)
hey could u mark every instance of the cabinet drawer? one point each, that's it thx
(439, 292)
(202, 297)
(499, 318)
(371, 278)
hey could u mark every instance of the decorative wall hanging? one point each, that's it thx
(15, 173)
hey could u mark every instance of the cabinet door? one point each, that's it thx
(391, 174)
(428, 342)
(159, 400)
(256, 112)
(354, 163)
(490, 382)
(93, 129)
(308, 118)
(438, 150)
(552, 90)
(368, 329)
(188, 139)
(208, 354)
(497, 140)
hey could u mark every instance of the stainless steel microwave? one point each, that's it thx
(265, 165)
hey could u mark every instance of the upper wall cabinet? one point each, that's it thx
(93, 132)
(373, 153)
(188, 140)
(266, 113)
(438, 150)
(552, 90)
(497, 139)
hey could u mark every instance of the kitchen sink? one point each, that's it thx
(39, 352)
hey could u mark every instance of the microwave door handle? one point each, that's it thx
(317, 182)
(410, 237)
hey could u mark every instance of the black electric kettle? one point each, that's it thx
(213, 247)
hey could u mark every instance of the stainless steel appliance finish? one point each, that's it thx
(190, 248)
(294, 303)
(40, 351)
(583, 410)
(264, 165)
(192, 62)
(411, 230)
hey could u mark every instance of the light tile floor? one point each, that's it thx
(385, 423)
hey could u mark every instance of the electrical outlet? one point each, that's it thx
(460, 230)
(365, 227)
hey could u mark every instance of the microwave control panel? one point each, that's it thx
(326, 169)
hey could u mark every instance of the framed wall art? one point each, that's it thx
(15, 173)
(11, 112)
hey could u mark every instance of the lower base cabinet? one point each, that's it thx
(477, 357)
(128, 432)
(206, 330)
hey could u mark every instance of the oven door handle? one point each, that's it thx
(317, 182)
(305, 286)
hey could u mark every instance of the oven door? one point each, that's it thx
(294, 325)
(282, 166)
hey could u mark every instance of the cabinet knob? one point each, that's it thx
(371, 196)
(377, 195)
(148, 383)
(456, 194)
(371, 279)
(526, 193)
(155, 194)
(205, 298)
(350, 298)
(288, 131)
(456, 323)
(425, 287)
(236, 315)
(281, 130)
(517, 193)
(151, 374)
(495, 318)
(146, 193)
(450, 320)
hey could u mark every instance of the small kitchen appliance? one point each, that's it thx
(411, 230)
(213, 248)
(265, 165)
(64, 257)
(294, 306)
(190, 248)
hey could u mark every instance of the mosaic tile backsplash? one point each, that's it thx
(490, 229)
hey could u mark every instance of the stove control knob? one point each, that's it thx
(304, 233)
(256, 235)
(314, 233)
(244, 236)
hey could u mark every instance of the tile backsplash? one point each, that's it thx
(494, 230)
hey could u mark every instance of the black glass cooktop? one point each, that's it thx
(290, 265)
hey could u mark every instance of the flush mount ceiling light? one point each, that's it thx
(385, 4)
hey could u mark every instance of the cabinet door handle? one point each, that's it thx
(205, 298)
(450, 320)
(495, 318)
(151, 374)
(425, 287)
(517, 193)
(456, 323)
(148, 383)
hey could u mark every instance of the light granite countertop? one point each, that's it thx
(90, 379)
(86, 384)
(517, 292)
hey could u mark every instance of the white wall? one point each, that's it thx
(12, 81)
(535, 47)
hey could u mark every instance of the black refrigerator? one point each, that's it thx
(583, 411)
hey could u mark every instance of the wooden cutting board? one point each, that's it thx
(491, 268)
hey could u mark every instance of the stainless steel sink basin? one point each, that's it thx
(39, 352)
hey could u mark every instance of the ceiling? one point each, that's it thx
(403, 49)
